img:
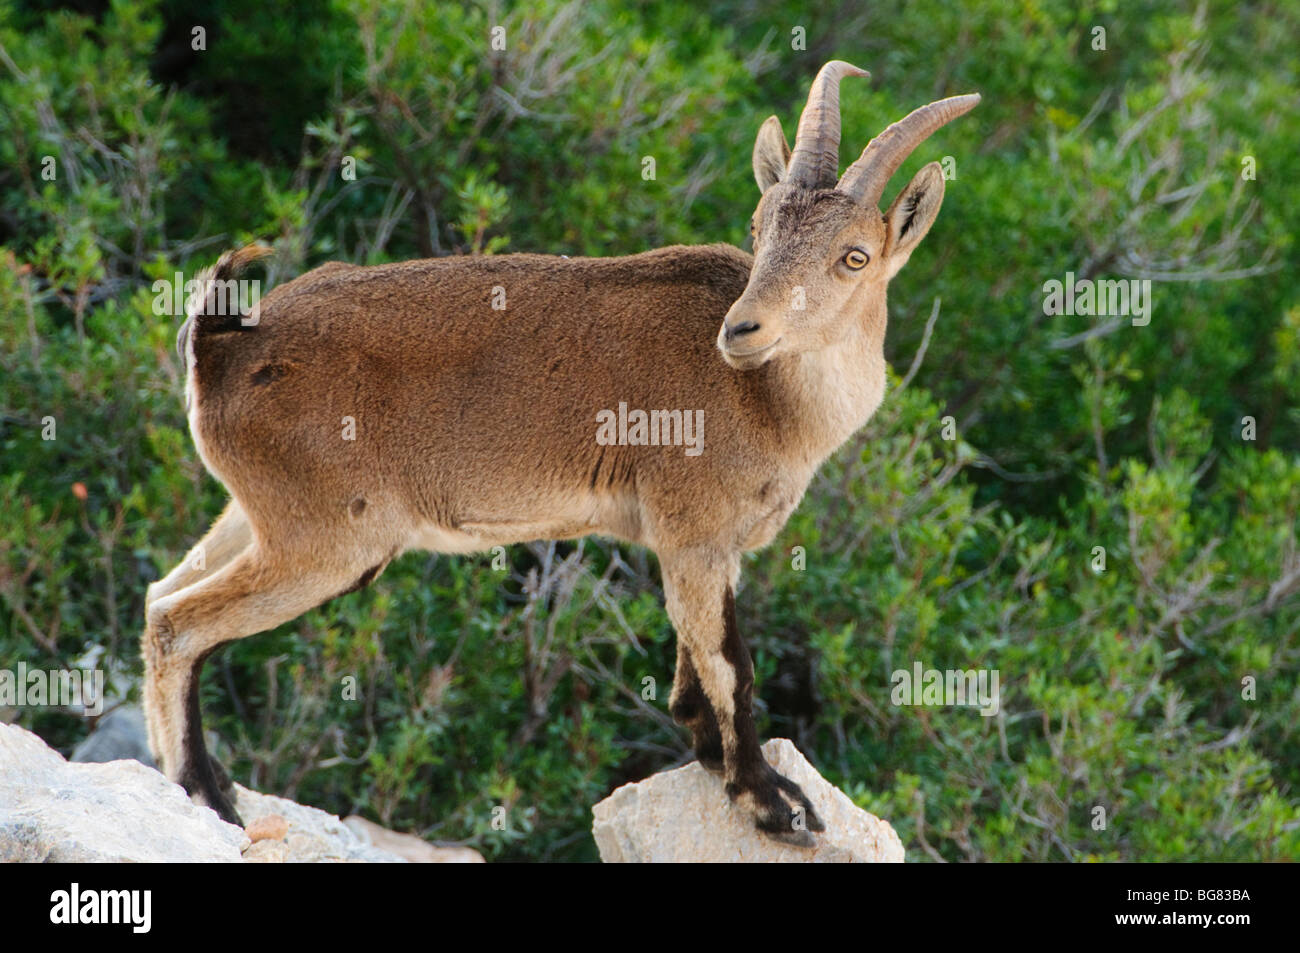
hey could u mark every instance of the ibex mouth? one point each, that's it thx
(748, 360)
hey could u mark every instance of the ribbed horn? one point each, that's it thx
(815, 160)
(866, 179)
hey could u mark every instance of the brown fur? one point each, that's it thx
(476, 427)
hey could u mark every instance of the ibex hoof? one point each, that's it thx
(791, 838)
(712, 765)
(223, 805)
(215, 790)
(781, 810)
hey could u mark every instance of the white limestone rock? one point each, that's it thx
(313, 836)
(52, 810)
(684, 816)
(416, 850)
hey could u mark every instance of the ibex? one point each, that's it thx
(475, 426)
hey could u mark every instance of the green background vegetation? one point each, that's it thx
(1121, 688)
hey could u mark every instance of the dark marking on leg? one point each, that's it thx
(357, 506)
(753, 775)
(690, 707)
(198, 775)
(749, 758)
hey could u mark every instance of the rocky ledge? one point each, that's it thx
(52, 810)
(682, 815)
(123, 810)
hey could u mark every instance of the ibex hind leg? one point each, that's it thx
(229, 535)
(255, 591)
(698, 587)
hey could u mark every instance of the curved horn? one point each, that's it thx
(815, 159)
(866, 179)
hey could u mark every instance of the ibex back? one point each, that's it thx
(370, 411)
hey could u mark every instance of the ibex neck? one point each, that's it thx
(827, 395)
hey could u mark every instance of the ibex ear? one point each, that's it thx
(912, 214)
(771, 154)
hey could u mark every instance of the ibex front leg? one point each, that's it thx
(701, 603)
(690, 707)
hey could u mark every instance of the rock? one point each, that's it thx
(684, 816)
(312, 836)
(417, 850)
(52, 810)
(267, 852)
(270, 827)
(119, 735)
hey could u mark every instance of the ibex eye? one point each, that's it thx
(856, 259)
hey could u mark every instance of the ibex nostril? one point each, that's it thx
(738, 330)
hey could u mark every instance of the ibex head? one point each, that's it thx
(823, 252)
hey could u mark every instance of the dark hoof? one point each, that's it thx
(712, 765)
(708, 749)
(705, 739)
(781, 810)
(213, 788)
(808, 817)
(224, 806)
(791, 838)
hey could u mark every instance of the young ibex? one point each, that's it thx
(474, 426)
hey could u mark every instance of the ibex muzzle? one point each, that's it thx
(372, 411)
